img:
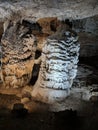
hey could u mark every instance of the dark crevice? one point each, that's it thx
(92, 61)
(37, 54)
(33, 26)
(53, 26)
(35, 73)
(68, 22)
(36, 68)
(25, 59)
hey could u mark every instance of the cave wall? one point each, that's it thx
(87, 30)
(88, 25)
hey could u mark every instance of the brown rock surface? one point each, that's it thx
(49, 26)
(18, 47)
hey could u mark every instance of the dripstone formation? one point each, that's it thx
(18, 52)
(59, 65)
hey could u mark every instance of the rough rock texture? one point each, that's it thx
(48, 27)
(35, 9)
(88, 25)
(18, 52)
(87, 30)
(89, 44)
(58, 65)
(49, 24)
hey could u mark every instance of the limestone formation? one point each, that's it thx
(18, 52)
(58, 66)
(35, 9)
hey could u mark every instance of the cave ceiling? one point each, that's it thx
(35, 9)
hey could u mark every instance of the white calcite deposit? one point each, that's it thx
(58, 68)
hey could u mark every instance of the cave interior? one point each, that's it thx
(79, 110)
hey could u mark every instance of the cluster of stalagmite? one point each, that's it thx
(59, 60)
(59, 64)
(18, 52)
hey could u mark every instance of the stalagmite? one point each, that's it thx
(58, 66)
(18, 52)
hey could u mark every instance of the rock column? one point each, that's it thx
(58, 67)
(18, 52)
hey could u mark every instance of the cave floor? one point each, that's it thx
(78, 115)
(67, 119)
(79, 110)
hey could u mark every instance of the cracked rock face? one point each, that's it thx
(59, 65)
(18, 52)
